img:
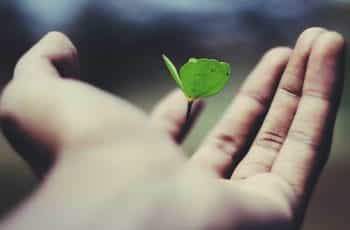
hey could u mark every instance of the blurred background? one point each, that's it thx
(120, 43)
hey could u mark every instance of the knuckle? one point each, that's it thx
(303, 137)
(270, 140)
(252, 166)
(317, 95)
(228, 144)
(6, 97)
(23, 97)
(290, 90)
(263, 100)
(170, 122)
(23, 64)
(11, 99)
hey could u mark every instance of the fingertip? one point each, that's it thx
(330, 44)
(170, 114)
(55, 41)
(274, 60)
(54, 54)
(309, 33)
(278, 54)
(306, 40)
(325, 73)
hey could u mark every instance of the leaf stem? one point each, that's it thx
(187, 122)
(188, 113)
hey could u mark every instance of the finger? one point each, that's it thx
(53, 55)
(170, 115)
(308, 141)
(279, 118)
(227, 141)
(36, 74)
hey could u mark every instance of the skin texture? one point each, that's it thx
(105, 164)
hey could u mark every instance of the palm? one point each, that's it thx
(296, 97)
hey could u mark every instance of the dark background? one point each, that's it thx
(120, 43)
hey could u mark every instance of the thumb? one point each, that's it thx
(53, 57)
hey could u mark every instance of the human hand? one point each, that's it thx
(107, 165)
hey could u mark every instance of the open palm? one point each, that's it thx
(107, 165)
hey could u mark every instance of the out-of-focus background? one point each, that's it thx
(120, 43)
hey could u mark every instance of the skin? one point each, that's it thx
(105, 164)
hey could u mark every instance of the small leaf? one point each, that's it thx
(172, 69)
(204, 77)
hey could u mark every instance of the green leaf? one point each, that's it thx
(172, 69)
(204, 77)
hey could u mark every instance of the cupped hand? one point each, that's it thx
(105, 164)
